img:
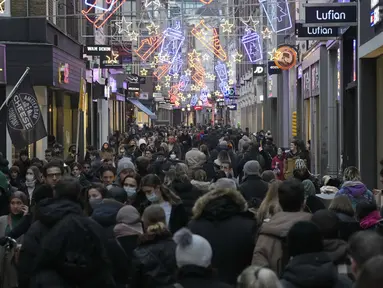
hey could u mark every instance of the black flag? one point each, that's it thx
(24, 120)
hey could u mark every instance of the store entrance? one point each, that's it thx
(350, 127)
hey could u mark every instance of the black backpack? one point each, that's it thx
(75, 250)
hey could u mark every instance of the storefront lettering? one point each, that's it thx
(319, 31)
(330, 15)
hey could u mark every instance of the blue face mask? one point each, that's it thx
(131, 191)
(152, 197)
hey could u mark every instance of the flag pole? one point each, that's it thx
(15, 88)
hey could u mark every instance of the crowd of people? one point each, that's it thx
(186, 207)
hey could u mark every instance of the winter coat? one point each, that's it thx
(188, 194)
(268, 251)
(254, 190)
(357, 192)
(195, 159)
(220, 216)
(192, 276)
(313, 270)
(348, 226)
(23, 166)
(200, 185)
(336, 249)
(154, 262)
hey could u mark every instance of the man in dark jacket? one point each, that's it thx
(255, 153)
(253, 188)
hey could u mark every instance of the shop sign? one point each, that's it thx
(258, 70)
(331, 14)
(3, 74)
(232, 107)
(97, 50)
(286, 57)
(273, 69)
(64, 73)
(144, 96)
(317, 33)
(133, 82)
(111, 60)
(376, 16)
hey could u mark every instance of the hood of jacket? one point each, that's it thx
(245, 138)
(53, 210)
(201, 185)
(219, 204)
(311, 270)
(106, 212)
(354, 188)
(280, 224)
(336, 249)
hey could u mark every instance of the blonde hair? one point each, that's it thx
(258, 277)
(351, 174)
(342, 204)
(270, 205)
(154, 219)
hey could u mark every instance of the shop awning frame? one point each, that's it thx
(143, 108)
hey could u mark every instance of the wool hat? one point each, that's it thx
(327, 222)
(309, 188)
(304, 238)
(252, 168)
(129, 216)
(123, 164)
(225, 183)
(192, 249)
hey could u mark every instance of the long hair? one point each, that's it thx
(152, 180)
(342, 204)
(351, 174)
(36, 173)
(258, 277)
(270, 205)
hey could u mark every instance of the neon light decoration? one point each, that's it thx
(172, 43)
(194, 100)
(237, 57)
(278, 14)
(252, 46)
(221, 71)
(152, 2)
(213, 44)
(100, 20)
(184, 81)
(152, 28)
(123, 26)
(266, 34)
(161, 70)
(250, 26)
(207, 2)
(223, 86)
(199, 74)
(203, 95)
(176, 66)
(173, 92)
(148, 46)
(227, 26)
(2, 6)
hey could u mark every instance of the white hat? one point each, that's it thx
(192, 249)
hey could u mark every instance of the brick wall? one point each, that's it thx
(36, 8)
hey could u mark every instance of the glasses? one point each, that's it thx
(57, 175)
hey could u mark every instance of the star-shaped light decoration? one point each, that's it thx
(266, 34)
(156, 59)
(164, 57)
(237, 57)
(193, 55)
(231, 82)
(205, 57)
(210, 76)
(251, 23)
(2, 4)
(153, 64)
(274, 54)
(208, 95)
(194, 88)
(227, 26)
(189, 95)
(168, 78)
(152, 28)
(217, 93)
(144, 72)
(188, 72)
(158, 87)
(123, 26)
(182, 98)
(180, 94)
(229, 65)
(133, 36)
(152, 2)
(167, 84)
(175, 76)
(230, 72)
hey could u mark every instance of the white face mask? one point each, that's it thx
(173, 156)
(130, 191)
(29, 178)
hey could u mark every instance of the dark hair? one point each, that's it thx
(364, 245)
(42, 192)
(291, 194)
(95, 153)
(49, 150)
(153, 180)
(76, 164)
(14, 169)
(69, 188)
(363, 209)
(53, 164)
(100, 188)
(370, 275)
(36, 173)
(268, 176)
(304, 237)
(110, 168)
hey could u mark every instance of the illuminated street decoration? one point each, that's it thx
(133, 36)
(184, 81)
(213, 44)
(148, 46)
(194, 100)
(152, 2)
(193, 55)
(205, 57)
(278, 14)
(188, 72)
(123, 26)
(173, 92)
(217, 93)
(99, 20)
(168, 78)
(227, 26)
(203, 95)
(199, 73)
(237, 57)
(144, 72)
(172, 43)
(251, 23)
(252, 46)
(207, 2)
(224, 88)
(175, 76)
(210, 76)
(161, 71)
(2, 6)
(274, 54)
(221, 71)
(153, 28)
(113, 59)
(266, 33)
(158, 87)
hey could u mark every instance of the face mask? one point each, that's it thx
(110, 186)
(173, 156)
(29, 178)
(94, 203)
(152, 197)
(130, 191)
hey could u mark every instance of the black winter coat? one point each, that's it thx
(221, 218)
(254, 190)
(193, 276)
(313, 270)
(188, 194)
(154, 262)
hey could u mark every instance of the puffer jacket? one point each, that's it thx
(268, 251)
(357, 192)
(154, 262)
(188, 194)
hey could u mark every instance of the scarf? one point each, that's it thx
(370, 220)
(122, 229)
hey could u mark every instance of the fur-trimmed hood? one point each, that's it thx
(220, 200)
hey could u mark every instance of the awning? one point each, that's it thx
(143, 108)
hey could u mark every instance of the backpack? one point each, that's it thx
(74, 249)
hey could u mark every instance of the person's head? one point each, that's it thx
(130, 185)
(294, 146)
(142, 144)
(16, 201)
(68, 188)
(171, 139)
(125, 167)
(327, 222)
(200, 175)
(105, 146)
(342, 204)
(148, 153)
(245, 146)
(128, 217)
(304, 237)
(251, 168)
(95, 154)
(258, 277)
(76, 169)
(300, 171)
(279, 152)
(53, 171)
(72, 150)
(155, 192)
(97, 191)
(33, 174)
(270, 205)
(351, 174)
(268, 176)
(227, 167)
(143, 164)
(181, 169)
(363, 209)
(14, 172)
(204, 149)
(108, 174)
(192, 249)
(291, 195)
(118, 193)
(86, 168)
(363, 246)
(370, 276)
(24, 155)
(154, 219)
(48, 155)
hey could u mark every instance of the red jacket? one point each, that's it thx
(280, 161)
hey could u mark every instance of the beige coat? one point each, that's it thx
(268, 248)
